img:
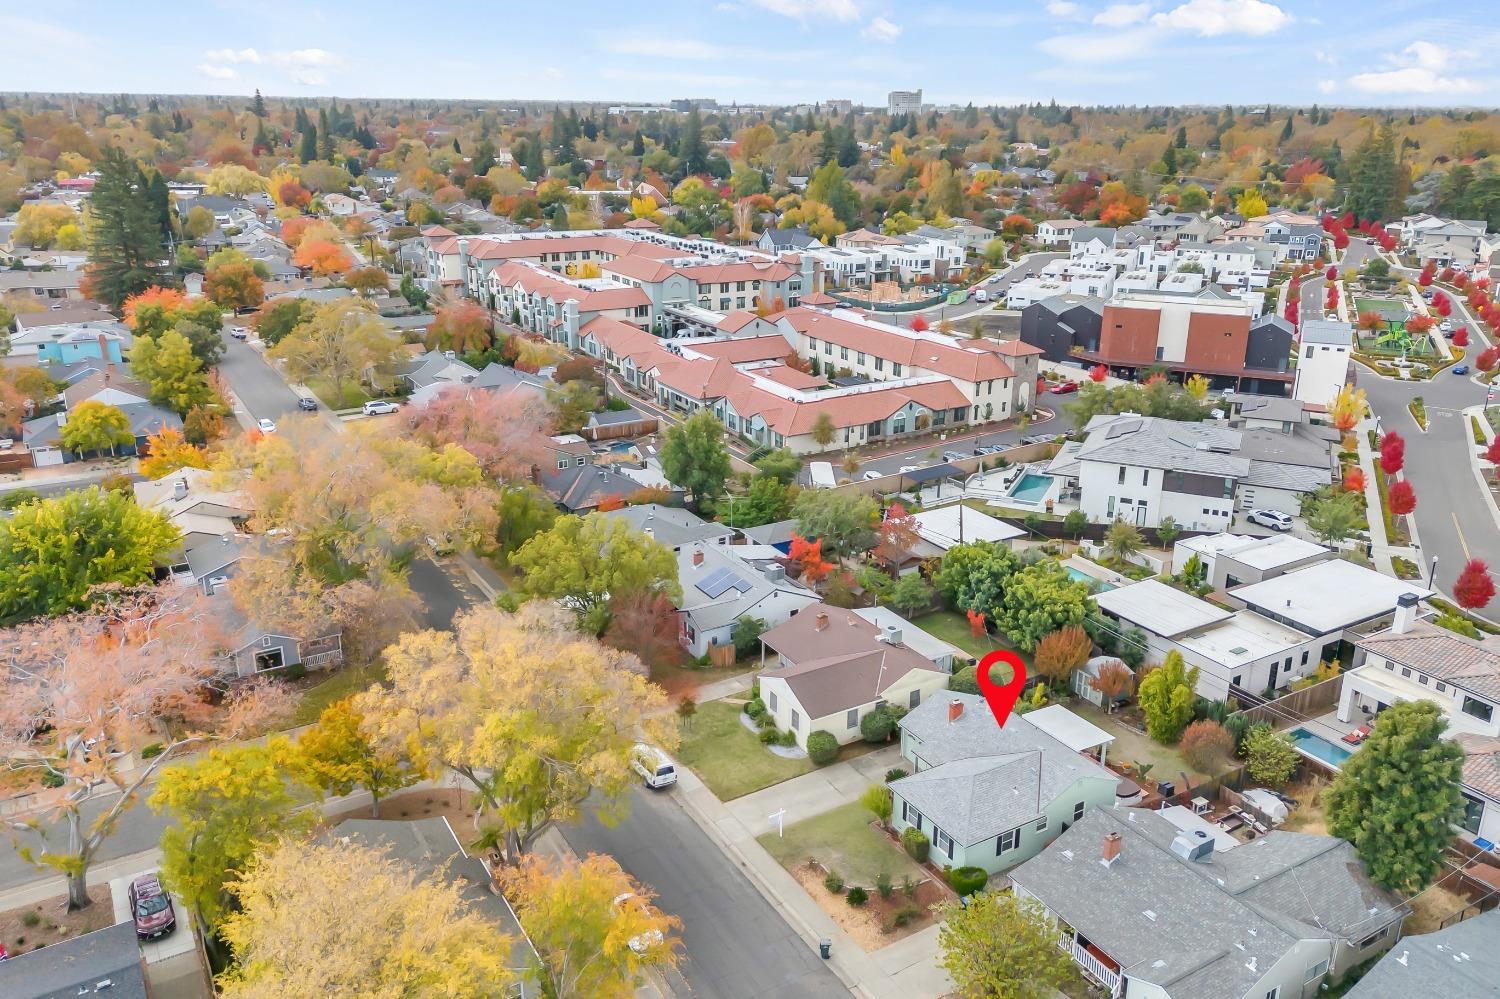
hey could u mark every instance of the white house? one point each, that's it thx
(1322, 361)
(1230, 560)
(1057, 232)
(719, 588)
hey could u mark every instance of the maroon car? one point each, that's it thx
(152, 908)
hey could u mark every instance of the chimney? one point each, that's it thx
(955, 710)
(1406, 614)
(821, 621)
(1111, 848)
(698, 557)
(103, 347)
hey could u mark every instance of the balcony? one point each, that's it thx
(1095, 967)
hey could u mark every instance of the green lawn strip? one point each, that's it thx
(953, 628)
(844, 841)
(338, 686)
(729, 757)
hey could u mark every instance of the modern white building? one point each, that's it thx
(1322, 361)
(904, 102)
(1230, 560)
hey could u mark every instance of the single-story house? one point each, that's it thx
(719, 587)
(834, 667)
(1457, 960)
(671, 526)
(987, 796)
(1230, 560)
(75, 966)
(1151, 911)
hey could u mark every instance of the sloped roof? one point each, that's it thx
(1458, 960)
(1443, 655)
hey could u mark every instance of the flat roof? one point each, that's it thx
(946, 526)
(921, 642)
(1244, 638)
(1274, 552)
(1160, 609)
(1326, 597)
(1069, 729)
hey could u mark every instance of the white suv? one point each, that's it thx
(379, 407)
(1274, 519)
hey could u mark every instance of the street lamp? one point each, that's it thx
(1432, 573)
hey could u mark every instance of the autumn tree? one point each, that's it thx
(235, 286)
(823, 429)
(223, 805)
(533, 715)
(169, 451)
(1398, 798)
(897, 534)
(1002, 946)
(646, 624)
(174, 373)
(594, 927)
(368, 280)
(1402, 498)
(330, 919)
(1206, 745)
(324, 257)
(107, 682)
(1347, 408)
(336, 756)
(583, 561)
(1114, 681)
(694, 457)
(95, 426)
(1166, 697)
(1060, 652)
(1392, 452)
(507, 432)
(54, 553)
(808, 557)
(462, 327)
(1474, 588)
(339, 341)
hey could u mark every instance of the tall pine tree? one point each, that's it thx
(259, 107)
(1375, 184)
(309, 150)
(125, 249)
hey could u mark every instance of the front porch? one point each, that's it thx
(1096, 966)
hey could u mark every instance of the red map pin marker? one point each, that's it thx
(1001, 697)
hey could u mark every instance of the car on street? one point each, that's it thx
(151, 908)
(1274, 519)
(652, 765)
(239, 332)
(954, 456)
(872, 474)
(266, 426)
(1446, 326)
(981, 295)
(907, 468)
(1063, 388)
(645, 941)
(307, 404)
(379, 407)
(1460, 369)
(1037, 439)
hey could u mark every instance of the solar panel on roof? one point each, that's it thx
(707, 583)
(721, 582)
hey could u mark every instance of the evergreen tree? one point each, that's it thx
(126, 246)
(309, 149)
(259, 107)
(848, 146)
(1286, 132)
(1169, 160)
(161, 203)
(692, 152)
(1375, 188)
(325, 138)
(638, 148)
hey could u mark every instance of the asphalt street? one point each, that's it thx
(737, 945)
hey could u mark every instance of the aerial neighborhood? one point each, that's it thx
(901, 547)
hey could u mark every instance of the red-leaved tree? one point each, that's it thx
(809, 555)
(1392, 452)
(507, 432)
(646, 623)
(1098, 373)
(976, 620)
(1403, 498)
(1487, 358)
(1461, 337)
(1474, 588)
(1354, 480)
(918, 323)
(1492, 453)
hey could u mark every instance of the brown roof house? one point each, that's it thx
(835, 667)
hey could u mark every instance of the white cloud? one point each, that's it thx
(232, 55)
(1327, 86)
(218, 72)
(1418, 70)
(1225, 17)
(309, 67)
(1101, 46)
(881, 30)
(1064, 8)
(803, 10)
(1122, 15)
(1326, 58)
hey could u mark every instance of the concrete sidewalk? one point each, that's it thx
(905, 970)
(824, 789)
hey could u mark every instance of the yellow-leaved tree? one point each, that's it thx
(532, 714)
(169, 451)
(338, 919)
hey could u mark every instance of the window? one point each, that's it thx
(1373, 937)
(1479, 709)
(1041, 824)
(896, 368)
(1406, 671)
(859, 357)
(562, 463)
(1442, 687)
(1473, 812)
(1078, 811)
(943, 842)
(1304, 657)
(1422, 679)
(1122, 475)
(1274, 993)
(915, 699)
(796, 720)
(879, 364)
(851, 720)
(1145, 476)
(1316, 972)
(771, 700)
(828, 348)
(843, 353)
(911, 816)
(1007, 841)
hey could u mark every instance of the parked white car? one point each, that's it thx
(266, 426)
(644, 942)
(1274, 519)
(654, 767)
(379, 407)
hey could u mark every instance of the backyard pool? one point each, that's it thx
(1030, 488)
(1079, 576)
(1319, 748)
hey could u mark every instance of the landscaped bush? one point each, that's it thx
(965, 681)
(766, 720)
(895, 773)
(877, 726)
(770, 735)
(902, 916)
(857, 897)
(833, 882)
(788, 738)
(967, 880)
(822, 747)
(883, 885)
(152, 751)
(917, 845)
(756, 708)
(687, 708)
(51, 778)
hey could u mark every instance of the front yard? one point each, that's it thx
(729, 757)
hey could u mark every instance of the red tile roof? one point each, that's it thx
(536, 279)
(970, 362)
(754, 348)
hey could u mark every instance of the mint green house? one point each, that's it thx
(991, 797)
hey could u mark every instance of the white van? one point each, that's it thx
(822, 474)
(981, 295)
(656, 770)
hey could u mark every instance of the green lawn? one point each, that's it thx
(729, 757)
(843, 841)
(354, 395)
(953, 628)
(1136, 747)
(338, 686)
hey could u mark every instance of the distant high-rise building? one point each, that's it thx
(838, 107)
(905, 101)
(686, 104)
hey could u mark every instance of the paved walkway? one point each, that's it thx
(729, 687)
(906, 969)
(824, 789)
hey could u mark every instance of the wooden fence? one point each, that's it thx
(1297, 706)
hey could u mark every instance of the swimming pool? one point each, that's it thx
(1079, 576)
(1030, 488)
(1320, 748)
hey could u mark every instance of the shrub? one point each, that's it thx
(51, 778)
(883, 885)
(904, 915)
(833, 882)
(755, 688)
(295, 671)
(967, 880)
(755, 708)
(766, 720)
(857, 897)
(1270, 756)
(687, 708)
(908, 887)
(916, 843)
(1205, 744)
(965, 681)
(31, 918)
(895, 773)
(877, 726)
(1238, 725)
(770, 735)
(822, 747)
(152, 751)
(788, 738)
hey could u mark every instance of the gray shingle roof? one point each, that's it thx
(977, 799)
(1461, 960)
(756, 598)
(670, 526)
(69, 968)
(1149, 442)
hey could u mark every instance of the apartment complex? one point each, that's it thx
(904, 102)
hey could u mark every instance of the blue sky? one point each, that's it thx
(1354, 52)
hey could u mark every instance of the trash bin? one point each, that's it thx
(825, 948)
